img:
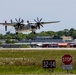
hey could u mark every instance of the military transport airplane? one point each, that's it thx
(20, 26)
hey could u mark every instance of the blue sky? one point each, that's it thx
(49, 10)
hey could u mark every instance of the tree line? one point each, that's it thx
(56, 35)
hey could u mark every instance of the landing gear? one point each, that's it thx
(33, 32)
(16, 33)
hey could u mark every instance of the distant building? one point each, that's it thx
(63, 44)
(66, 38)
(41, 39)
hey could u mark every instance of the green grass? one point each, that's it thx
(30, 61)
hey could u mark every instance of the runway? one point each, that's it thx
(37, 48)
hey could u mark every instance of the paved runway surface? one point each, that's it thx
(37, 48)
(38, 74)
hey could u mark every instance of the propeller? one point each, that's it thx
(38, 23)
(18, 22)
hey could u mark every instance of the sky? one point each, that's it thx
(50, 10)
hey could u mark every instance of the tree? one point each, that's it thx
(8, 41)
(43, 34)
(0, 42)
(56, 37)
(66, 32)
(8, 36)
(50, 33)
(20, 36)
(60, 33)
(74, 34)
(1, 36)
(71, 32)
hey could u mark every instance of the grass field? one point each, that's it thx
(30, 61)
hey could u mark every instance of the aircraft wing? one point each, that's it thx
(47, 22)
(8, 24)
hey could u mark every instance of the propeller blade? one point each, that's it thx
(38, 23)
(19, 19)
(41, 25)
(16, 19)
(38, 26)
(22, 21)
(37, 19)
(40, 19)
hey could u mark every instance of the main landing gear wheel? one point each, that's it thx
(16, 33)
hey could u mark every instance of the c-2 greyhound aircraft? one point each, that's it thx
(20, 26)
